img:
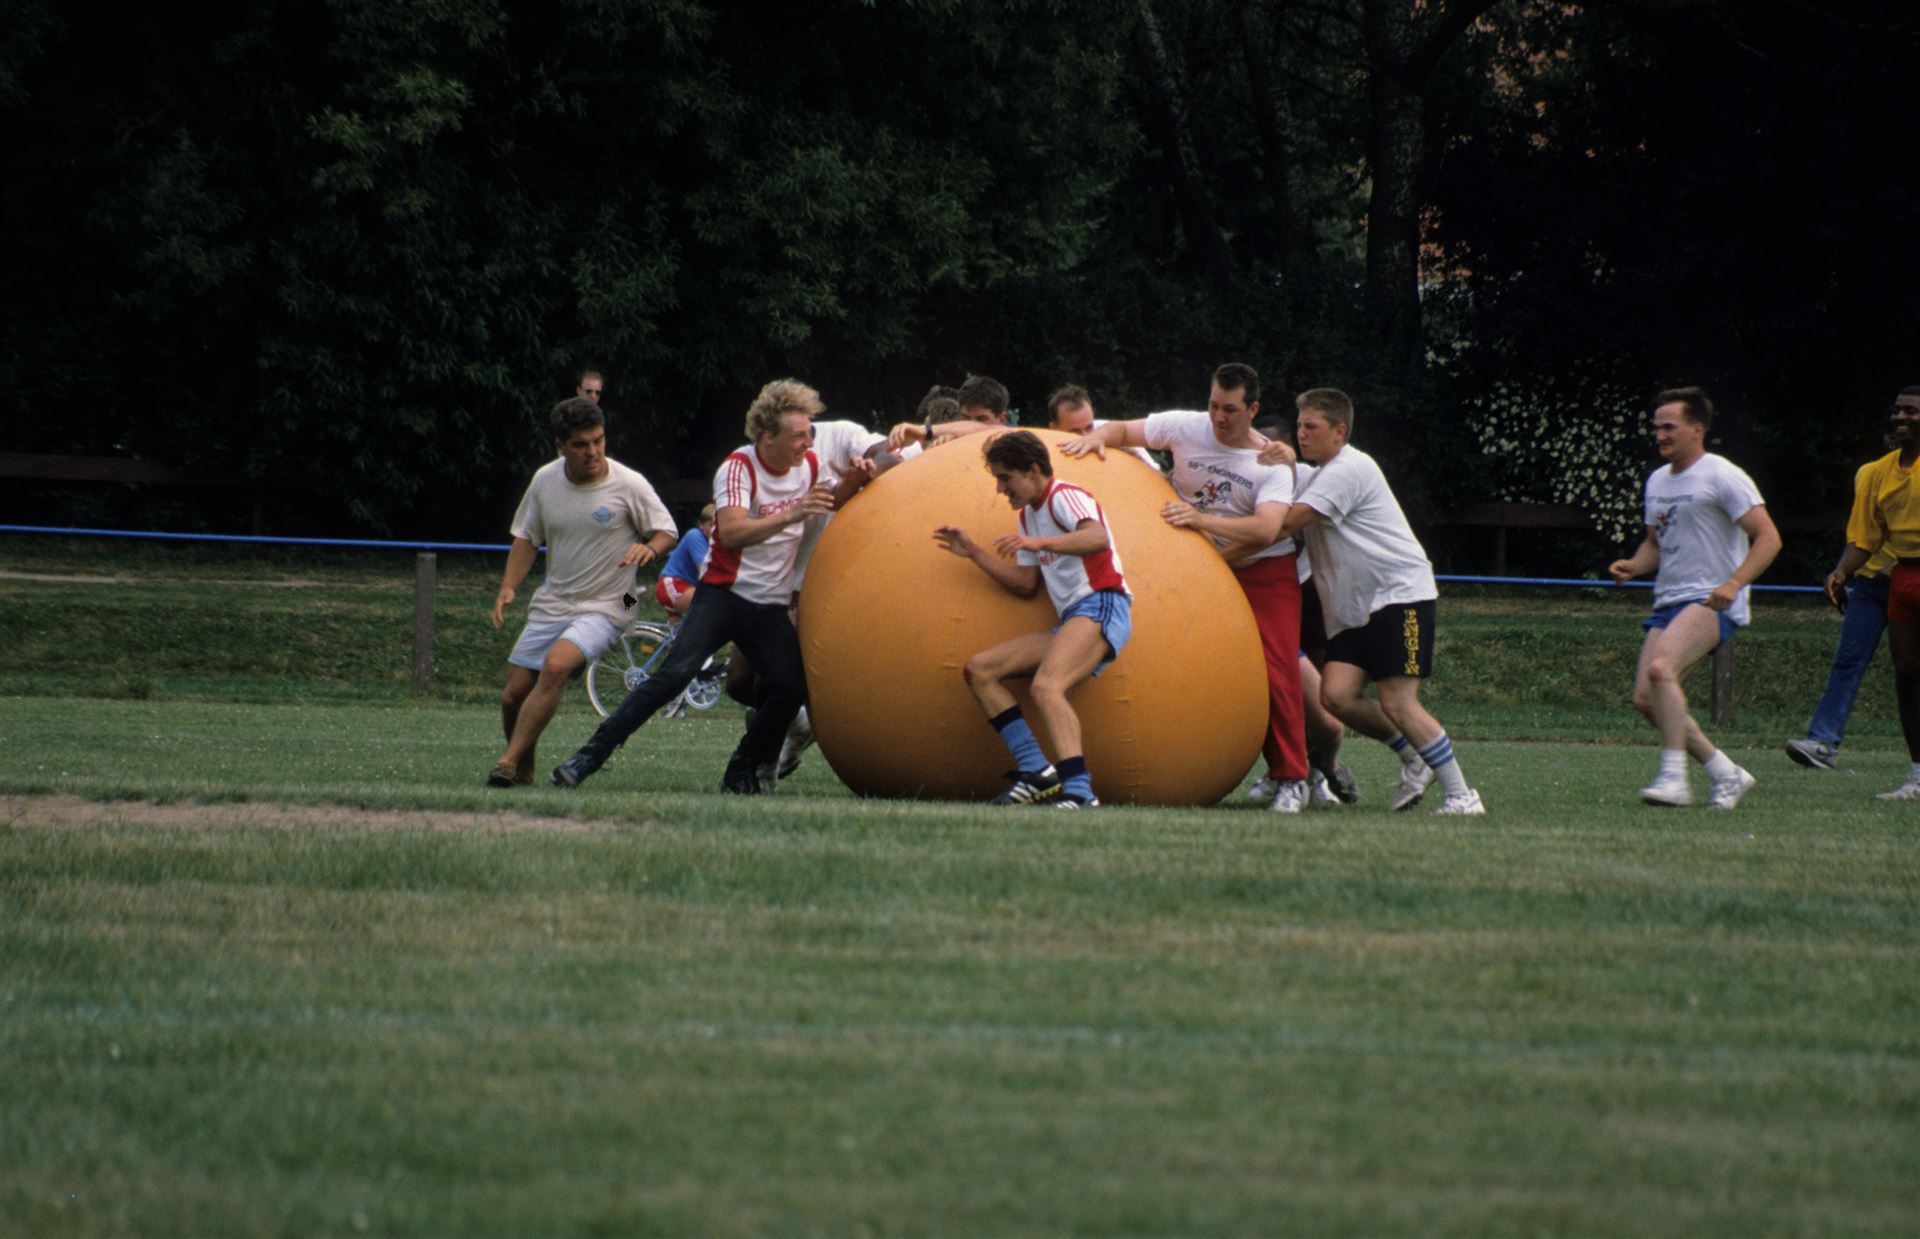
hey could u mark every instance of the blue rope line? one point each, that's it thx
(368, 543)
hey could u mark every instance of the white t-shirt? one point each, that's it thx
(1069, 578)
(587, 528)
(1226, 481)
(1302, 474)
(1692, 517)
(762, 572)
(1140, 453)
(1365, 557)
(837, 444)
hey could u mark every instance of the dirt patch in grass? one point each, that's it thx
(74, 812)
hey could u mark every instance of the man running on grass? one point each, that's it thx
(599, 520)
(1708, 537)
(1063, 543)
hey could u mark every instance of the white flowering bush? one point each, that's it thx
(1575, 438)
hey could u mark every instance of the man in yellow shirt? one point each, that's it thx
(1886, 517)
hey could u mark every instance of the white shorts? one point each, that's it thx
(592, 634)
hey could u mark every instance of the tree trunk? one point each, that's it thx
(1405, 40)
(1270, 64)
(1170, 114)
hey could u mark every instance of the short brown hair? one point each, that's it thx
(1694, 400)
(1329, 402)
(981, 392)
(573, 415)
(1071, 394)
(775, 401)
(1017, 451)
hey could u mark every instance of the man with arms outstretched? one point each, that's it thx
(762, 496)
(1708, 537)
(1377, 596)
(1225, 492)
(599, 520)
(1062, 543)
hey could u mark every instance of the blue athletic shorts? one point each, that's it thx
(1110, 609)
(1662, 616)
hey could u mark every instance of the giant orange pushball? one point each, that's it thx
(887, 620)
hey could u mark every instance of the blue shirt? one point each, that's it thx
(685, 562)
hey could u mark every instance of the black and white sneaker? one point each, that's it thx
(1340, 781)
(1070, 801)
(1030, 787)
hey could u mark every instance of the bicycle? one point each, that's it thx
(640, 650)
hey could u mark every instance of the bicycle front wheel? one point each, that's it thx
(626, 664)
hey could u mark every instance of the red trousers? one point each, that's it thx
(1272, 587)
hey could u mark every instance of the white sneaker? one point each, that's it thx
(799, 736)
(1318, 793)
(1463, 804)
(1264, 789)
(1668, 790)
(1910, 790)
(1727, 792)
(1291, 798)
(1415, 778)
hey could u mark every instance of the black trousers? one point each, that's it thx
(764, 634)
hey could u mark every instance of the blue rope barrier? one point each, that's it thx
(254, 539)
(501, 548)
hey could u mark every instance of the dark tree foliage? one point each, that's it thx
(355, 250)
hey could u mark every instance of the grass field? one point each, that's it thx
(275, 964)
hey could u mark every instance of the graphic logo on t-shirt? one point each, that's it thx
(1212, 493)
(603, 514)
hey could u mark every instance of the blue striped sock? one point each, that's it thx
(1439, 755)
(1018, 737)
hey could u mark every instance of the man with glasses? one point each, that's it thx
(590, 386)
(1886, 520)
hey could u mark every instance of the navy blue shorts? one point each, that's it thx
(1662, 616)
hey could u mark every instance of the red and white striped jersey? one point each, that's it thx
(762, 572)
(1069, 578)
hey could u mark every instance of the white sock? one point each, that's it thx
(1913, 772)
(1720, 766)
(1673, 764)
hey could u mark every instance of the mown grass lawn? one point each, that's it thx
(644, 1008)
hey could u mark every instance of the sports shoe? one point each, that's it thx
(1030, 787)
(1264, 789)
(504, 775)
(1671, 790)
(1319, 795)
(743, 778)
(1340, 782)
(1813, 754)
(1910, 790)
(1070, 801)
(1415, 779)
(1463, 804)
(1291, 798)
(574, 771)
(799, 736)
(1726, 792)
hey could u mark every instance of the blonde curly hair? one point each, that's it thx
(775, 401)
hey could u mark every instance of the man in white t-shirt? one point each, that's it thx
(1377, 596)
(1226, 493)
(762, 496)
(1708, 535)
(1062, 544)
(599, 520)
